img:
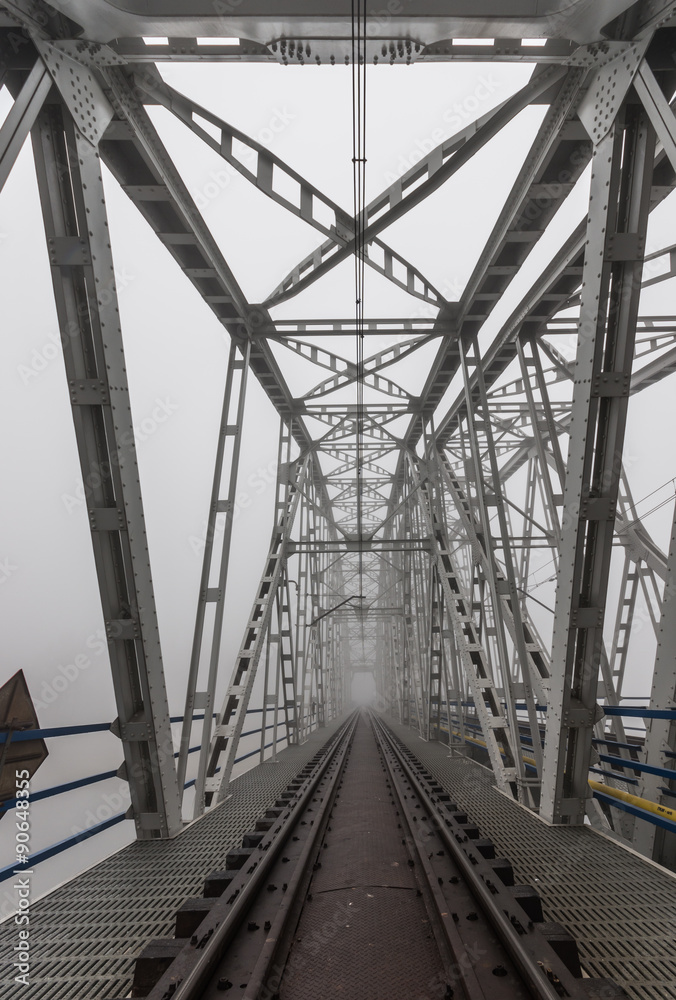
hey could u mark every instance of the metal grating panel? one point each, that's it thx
(621, 908)
(86, 935)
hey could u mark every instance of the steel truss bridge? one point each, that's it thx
(407, 527)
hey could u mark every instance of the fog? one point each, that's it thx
(176, 358)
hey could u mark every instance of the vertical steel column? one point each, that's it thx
(619, 202)
(661, 733)
(415, 627)
(269, 700)
(214, 773)
(224, 505)
(542, 429)
(501, 739)
(319, 599)
(458, 689)
(407, 651)
(437, 659)
(76, 226)
(300, 644)
(472, 365)
(288, 661)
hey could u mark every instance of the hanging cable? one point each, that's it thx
(359, 204)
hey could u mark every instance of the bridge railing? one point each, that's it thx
(60, 731)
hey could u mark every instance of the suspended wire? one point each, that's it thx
(637, 503)
(629, 524)
(647, 513)
(359, 204)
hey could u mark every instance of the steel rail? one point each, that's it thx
(502, 910)
(449, 940)
(190, 972)
(278, 939)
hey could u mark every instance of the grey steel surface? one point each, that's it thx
(619, 907)
(83, 278)
(85, 935)
(263, 21)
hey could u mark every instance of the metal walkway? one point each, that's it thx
(620, 907)
(87, 932)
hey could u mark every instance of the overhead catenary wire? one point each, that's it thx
(629, 524)
(358, 11)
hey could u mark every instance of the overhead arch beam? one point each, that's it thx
(287, 188)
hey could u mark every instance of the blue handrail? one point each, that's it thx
(63, 845)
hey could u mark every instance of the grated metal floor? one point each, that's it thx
(86, 934)
(620, 907)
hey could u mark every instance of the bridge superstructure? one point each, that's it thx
(407, 526)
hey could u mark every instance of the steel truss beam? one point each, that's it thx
(660, 739)
(555, 161)
(223, 748)
(508, 606)
(436, 168)
(221, 508)
(440, 609)
(273, 31)
(310, 204)
(504, 752)
(21, 118)
(622, 172)
(76, 227)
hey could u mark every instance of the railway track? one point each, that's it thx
(365, 882)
